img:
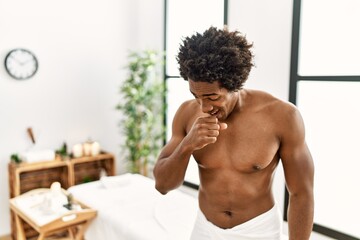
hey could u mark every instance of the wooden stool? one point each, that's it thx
(74, 222)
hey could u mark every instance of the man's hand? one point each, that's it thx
(204, 131)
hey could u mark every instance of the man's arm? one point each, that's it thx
(299, 174)
(170, 168)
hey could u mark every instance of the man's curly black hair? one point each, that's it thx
(216, 55)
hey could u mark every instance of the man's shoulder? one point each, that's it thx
(188, 109)
(266, 101)
(262, 95)
(189, 106)
(186, 114)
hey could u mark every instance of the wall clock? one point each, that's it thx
(21, 64)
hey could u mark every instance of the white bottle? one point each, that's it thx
(57, 197)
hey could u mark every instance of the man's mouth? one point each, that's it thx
(214, 112)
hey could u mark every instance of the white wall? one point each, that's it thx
(81, 47)
(268, 25)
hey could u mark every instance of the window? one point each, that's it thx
(325, 84)
(184, 18)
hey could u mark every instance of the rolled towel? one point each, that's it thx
(38, 156)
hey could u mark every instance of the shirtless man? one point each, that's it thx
(237, 137)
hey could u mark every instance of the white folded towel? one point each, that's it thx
(116, 181)
(38, 156)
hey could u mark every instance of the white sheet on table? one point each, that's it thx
(130, 208)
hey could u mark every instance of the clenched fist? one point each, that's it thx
(204, 131)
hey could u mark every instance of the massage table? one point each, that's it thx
(130, 208)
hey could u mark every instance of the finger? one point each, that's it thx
(206, 141)
(211, 139)
(223, 126)
(209, 126)
(210, 119)
(212, 133)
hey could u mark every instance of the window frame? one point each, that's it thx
(166, 76)
(294, 78)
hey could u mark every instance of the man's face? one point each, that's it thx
(213, 99)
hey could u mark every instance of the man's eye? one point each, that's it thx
(214, 99)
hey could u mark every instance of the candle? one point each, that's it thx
(87, 148)
(77, 150)
(95, 148)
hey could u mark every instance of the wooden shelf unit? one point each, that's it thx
(24, 177)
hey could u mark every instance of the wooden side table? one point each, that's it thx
(24, 177)
(74, 222)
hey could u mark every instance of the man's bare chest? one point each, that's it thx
(247, 147)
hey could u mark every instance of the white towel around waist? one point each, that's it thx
(267, 226)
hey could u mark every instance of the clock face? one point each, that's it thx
(21, 64)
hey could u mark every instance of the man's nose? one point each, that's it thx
(205, 106)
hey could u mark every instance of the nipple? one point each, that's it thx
(257, 167)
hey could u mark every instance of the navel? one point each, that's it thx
(228, 213)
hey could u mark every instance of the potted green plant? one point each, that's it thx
(143, 108)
